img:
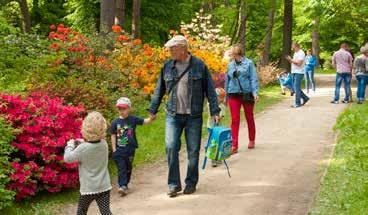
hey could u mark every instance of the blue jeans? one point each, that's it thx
(340, 77)
(299, 94)
(362, 81)
(309, 80)
(175, 125)
(124, 164)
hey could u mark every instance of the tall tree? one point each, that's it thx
(268, 38)
(26, 18)
(315, 39)
(136, 28)
(287, 33)
(242, 31)
(107, 15)
(120, 12)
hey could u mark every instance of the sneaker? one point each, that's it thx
(305, 101)
(295, 106)
(215, 163)
(173, 191)
(123, 191)
(334, 102)
(189, 190)
(251, 145)
(360, 102)
(292, 93)
(345, 102)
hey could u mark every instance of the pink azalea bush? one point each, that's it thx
(45, 125)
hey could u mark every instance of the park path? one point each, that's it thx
(280, 176)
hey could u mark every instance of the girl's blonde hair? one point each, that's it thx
(237, 49)
(94, 127)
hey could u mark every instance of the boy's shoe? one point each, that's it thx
(123, 191)
(173, 191)
(215, 163)
(189, 190)
(251, 144)
(334, 102)
(295, 106)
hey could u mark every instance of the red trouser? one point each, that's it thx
(235, 103)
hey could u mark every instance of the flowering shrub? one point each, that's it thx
(45, 125)
(268, 74)
(6, 137)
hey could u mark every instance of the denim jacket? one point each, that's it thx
(200, 85)
(247, 77)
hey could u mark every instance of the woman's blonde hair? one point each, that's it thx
(94, 127)
(237, 50)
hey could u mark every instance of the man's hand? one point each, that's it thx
(152, 116)
(256, 98)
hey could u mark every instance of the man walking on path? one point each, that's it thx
(342, 61)
(187, 81)
(297, 70)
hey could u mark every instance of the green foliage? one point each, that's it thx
(345, 188)
(19, 56)
(6, 137)
(5, 27)
(83, 15)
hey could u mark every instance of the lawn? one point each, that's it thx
(344, 189)
(151, 148)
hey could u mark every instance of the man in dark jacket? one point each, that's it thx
(187, 81)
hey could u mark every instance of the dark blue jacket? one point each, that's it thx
(200, 85)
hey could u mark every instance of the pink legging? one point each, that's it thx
(235, 103)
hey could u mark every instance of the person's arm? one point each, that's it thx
(227, 82)
(113, 132)
(211, 93)
(113, 142)
(334, 61)
(351, 63)
(148, 120)
(254, 80)
(71, 152)
(158, 94)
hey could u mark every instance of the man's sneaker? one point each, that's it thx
(360, 102)
(189, 190)
(334, 102)
(305, 101)
(345, 102)
(123, 190)
(295, 106)
(173, 191)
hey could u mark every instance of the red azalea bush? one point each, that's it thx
(45, 125)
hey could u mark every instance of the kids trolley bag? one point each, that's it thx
(218, 146)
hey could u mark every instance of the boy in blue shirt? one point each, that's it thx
(124, 142)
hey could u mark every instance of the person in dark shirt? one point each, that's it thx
(124, 142)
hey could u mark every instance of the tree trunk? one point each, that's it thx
(287, 34)
(26, 18)
(243, 26)
(268, 39)
(136, 31)
(107, 15)
(235, 26)
(315, 40)
(120, 13)
(227, 3)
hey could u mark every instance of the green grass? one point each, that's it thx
(325, 71)
(344, 189)
(151, 141)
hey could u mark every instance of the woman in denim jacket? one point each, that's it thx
(241, 88)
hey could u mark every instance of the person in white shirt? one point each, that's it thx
(297, 70)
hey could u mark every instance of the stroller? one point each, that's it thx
(286, 82)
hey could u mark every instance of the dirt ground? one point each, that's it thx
(280, 176)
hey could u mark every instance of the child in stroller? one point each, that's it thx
(286, 82)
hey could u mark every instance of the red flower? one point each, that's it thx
(116, 28)
(52, 27)
(123, 38)
(137, 42)
(55, 46)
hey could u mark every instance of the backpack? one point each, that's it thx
(218, 146)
